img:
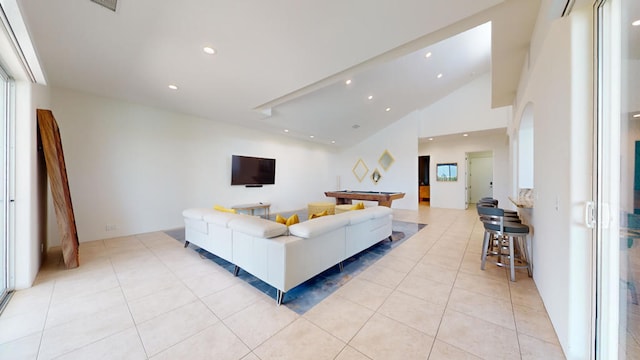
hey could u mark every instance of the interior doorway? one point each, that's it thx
(479, 176)
(424, 185)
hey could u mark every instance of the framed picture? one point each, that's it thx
(386, 160)
(447, 172)
(376, 176)
(360, 170)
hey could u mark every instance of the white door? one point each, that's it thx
(480, 176)
(618, 181)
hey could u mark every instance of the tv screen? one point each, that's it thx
(247, 170)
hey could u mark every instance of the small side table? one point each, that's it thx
(250, 208)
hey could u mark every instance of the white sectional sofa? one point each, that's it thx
(281, 257)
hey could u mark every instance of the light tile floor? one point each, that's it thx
(145, 297)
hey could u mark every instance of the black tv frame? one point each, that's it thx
(252, 171)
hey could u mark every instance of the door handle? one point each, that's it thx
(589, 218)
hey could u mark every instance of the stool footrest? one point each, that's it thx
(504, 261)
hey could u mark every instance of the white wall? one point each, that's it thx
(558, 86)
(137, 167)
(400, 140)
(30, 198)
(464, 110)
(452, 194)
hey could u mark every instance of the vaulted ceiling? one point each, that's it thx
(283, 64)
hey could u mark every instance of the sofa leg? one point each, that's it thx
(236, 270)
(186, 243)
(390, 238)
(340, 266)
(279, 297)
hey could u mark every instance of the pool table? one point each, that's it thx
(347, 196)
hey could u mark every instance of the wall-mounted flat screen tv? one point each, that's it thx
(248, 170)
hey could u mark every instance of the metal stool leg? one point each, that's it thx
(485, 249)
(512, 260)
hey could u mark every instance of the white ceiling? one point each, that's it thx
(286, 58)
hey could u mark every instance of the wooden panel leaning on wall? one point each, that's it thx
(57, 172)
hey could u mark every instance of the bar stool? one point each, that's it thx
(491, 201)
(511, 215)
(507, 239)
(493, 239)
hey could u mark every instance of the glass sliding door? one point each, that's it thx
(5, 113)
(618, 179)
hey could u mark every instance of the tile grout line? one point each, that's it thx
(251, 350)
(44, 325)
(189, 290)
(135, 325)
(435, 337)
(450, 292)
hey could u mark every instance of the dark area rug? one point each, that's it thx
(306, 295)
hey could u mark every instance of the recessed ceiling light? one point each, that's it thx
(209, 50)
(465, 134)
(355, 126)
(387, 109)
(173, 87)
(428, 55)
(333, 141)
(286, 130)
(636, 23)
(636, 115)
(430, 139)
(439, 75)
(348, 82)
(370, 97)
(311, 136)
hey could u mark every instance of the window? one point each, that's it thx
(5, 117)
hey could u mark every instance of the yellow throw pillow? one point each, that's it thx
(324, 213)
(293, 219)
(281, 220)
(358, 206)
(224, 209)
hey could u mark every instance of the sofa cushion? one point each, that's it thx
(219, 218)
(196, 213)
(320, 214)
(255, 226)
(358, 206)
(292, 220)
(224, 209)
(318, 226)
